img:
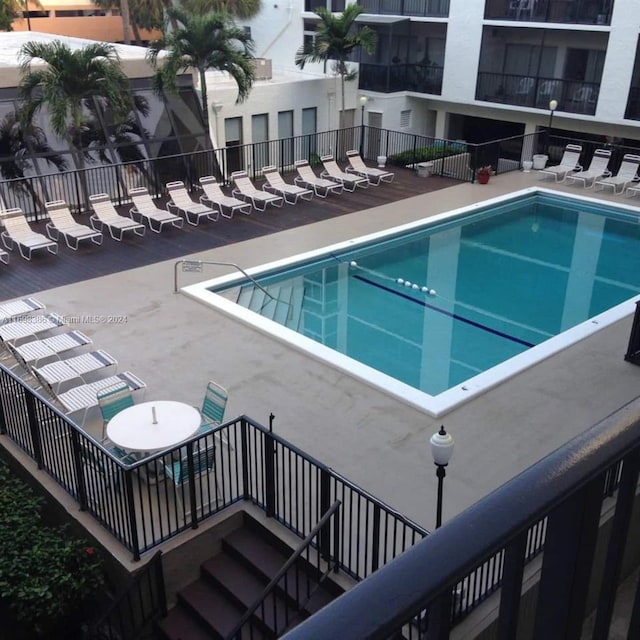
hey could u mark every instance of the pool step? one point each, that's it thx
(284, 307)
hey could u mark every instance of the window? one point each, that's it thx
(309, 128)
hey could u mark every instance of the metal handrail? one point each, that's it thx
(199, 263)
(287, 565)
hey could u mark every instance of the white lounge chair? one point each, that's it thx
(32, 353)
(357, 166)
(62, 223)
(22, 307)
(348, 180)
(85, 396)
(569, 162)
(4, 256)
(146, 209)
(17, 232)
(193, 211)
(17, 329)
(246, 190)
(597, 169)
(322, 187)
(627, 174)
(228, 205)
(276, 184)
(55, 374)
(105, 215)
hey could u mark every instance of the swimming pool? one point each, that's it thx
(440, 310)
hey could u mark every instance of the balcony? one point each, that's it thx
(558, 11)
(401, 77)
(418, 8)
(536, 92)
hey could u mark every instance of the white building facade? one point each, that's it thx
(458, 69)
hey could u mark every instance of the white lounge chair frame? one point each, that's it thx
(31, 354)
(193, 211)
(228, 205)
(105, 215)
(322, 187)
(275, 184)
(22, 307)
(627, 175)
(62, 223)
(85, 396)
(597, 169)
(17, 232)
(246, 190)
(357, 166)
(17, 329)
(348, 180)
(55, 374)
(4, 256)
(146, 210)
(569, 162)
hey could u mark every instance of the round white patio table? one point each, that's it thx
(152, 426)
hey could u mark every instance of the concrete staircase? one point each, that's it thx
(229, 583)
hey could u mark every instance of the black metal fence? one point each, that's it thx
(400, 149)
(560, 499)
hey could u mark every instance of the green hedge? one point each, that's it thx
(424, 154)
(47, 576)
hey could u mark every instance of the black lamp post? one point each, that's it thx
(441, 449)
(363, 102)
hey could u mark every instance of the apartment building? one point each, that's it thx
(469, 69)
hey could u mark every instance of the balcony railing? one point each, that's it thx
(531, 91)
(559, 11)
(581, 566)
(401, 77)
(418, 8)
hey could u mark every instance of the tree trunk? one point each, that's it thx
(126, 21)
(205, 102)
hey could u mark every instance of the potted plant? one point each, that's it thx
(483, 174)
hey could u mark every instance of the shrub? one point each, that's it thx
(46, 574)
(424, 154)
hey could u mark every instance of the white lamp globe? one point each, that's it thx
(442, 444)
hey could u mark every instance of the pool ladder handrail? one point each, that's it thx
(199, 263)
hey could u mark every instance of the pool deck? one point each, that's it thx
(176, 345)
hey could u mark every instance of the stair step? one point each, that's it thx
(244, 587)
(261, 551)
(180, 624)
(216, 611)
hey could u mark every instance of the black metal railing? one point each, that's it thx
(401, 77)
(418, 8)
(135, 610)
(298, 580)
(561, 498)
(116, 179)
(560, 11)
(534, 91)
(141, 507)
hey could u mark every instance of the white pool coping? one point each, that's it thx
(433, 405)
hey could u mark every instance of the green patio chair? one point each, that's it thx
(112, 400)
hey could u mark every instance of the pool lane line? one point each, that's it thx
(455, 316)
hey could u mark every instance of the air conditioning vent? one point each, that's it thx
(262, 68)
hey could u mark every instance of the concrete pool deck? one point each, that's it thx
(176, 345)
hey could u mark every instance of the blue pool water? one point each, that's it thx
(484, 287)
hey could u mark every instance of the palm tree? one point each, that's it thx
(18, 141)
(335, 39)
(203, 41)
(67, 83)
(238, 8)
